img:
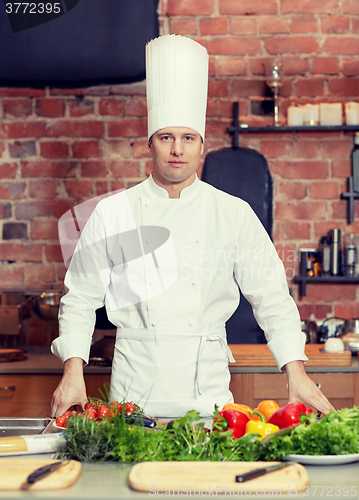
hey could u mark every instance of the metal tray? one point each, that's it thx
(24, 426)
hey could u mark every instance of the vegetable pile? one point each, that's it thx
(335, 434)
(97, 410)
(236, 435)
(182, 439)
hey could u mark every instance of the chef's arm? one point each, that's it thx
(301, 388)
(71, 389)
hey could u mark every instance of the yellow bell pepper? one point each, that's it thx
(260, 427)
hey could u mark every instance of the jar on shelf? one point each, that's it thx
(309, 263)
(349, 254)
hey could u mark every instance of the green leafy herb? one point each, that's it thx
(185, 439)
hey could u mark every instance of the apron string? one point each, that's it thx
(202, 343)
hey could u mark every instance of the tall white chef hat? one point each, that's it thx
(176, 83)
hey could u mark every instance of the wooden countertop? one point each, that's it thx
(260, 355)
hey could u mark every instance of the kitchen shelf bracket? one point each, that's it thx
(351, 195)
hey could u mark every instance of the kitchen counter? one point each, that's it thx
(41, 361)
(30, 384)
(109, 481)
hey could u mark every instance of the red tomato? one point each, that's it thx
(91, 413)
(90, 404)
(103, 411)
(115, 408)
(61, 421)
(130, 407)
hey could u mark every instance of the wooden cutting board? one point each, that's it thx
(7, 355)
(260, 355)
(213, 477)
(14, 472)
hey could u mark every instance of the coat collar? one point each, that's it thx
(187, 193)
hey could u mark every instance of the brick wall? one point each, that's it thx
(59, 147)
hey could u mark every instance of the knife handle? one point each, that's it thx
(250, 475)
(43, 471)
(140, 419)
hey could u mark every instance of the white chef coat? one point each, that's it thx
(170, 304)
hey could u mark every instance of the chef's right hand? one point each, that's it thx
(71, 389)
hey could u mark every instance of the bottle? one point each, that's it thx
(356, 243)
(335, 252)
(355, 162)
(325, 255)
(310, 262)
(349, 254)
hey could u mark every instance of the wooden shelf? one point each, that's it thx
(238, 128)
(303, 280)
(305, 128)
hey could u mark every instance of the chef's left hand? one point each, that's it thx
(301, 388)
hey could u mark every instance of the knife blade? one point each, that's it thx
(44, 471)
(281, 432)
(261, 471)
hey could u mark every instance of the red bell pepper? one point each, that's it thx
(231, 420)
(289, 415)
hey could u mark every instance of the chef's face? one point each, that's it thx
(176, 153)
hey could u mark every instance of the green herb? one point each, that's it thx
(185, 439)
(89, 441)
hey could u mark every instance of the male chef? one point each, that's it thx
(166, 257)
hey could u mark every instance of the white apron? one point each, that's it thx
(174, 370)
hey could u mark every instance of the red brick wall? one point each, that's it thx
(59, 147)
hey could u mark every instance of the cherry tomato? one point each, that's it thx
(91, 413)
(61, 421)
(115, 408)
(102, 412)
(130, 407)
(90, 404)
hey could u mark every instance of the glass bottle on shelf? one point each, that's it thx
(274, 79)
(325, 256)
(349, 254)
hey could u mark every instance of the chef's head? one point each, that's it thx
(176, 84)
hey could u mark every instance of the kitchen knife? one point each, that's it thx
(281, 432)
(260, 472)
(44, 471)
(138, 418)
